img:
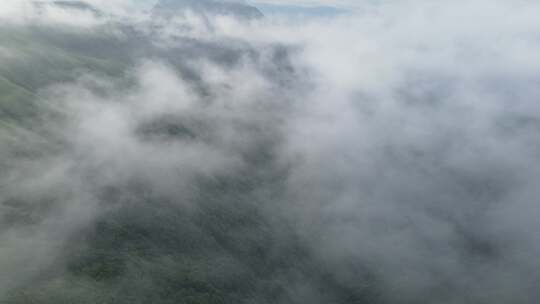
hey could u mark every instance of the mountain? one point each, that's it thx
(162, 234)
(169, 157)
(80, 6)
(212, 7)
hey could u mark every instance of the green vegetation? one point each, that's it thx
(227, 244)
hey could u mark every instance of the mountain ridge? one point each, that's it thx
(211, 7)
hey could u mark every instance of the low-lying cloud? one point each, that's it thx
(398, 142)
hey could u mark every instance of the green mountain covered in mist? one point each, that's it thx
(229, 241)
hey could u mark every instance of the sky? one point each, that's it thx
(309, 3)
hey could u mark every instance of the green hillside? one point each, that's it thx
(148, 247)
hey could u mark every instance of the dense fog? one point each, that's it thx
(203, 152)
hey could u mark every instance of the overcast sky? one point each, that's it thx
(337, 3)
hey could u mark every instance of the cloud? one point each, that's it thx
(404, 161)
(403, 137)
(26, 11)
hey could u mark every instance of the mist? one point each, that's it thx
(386, 154)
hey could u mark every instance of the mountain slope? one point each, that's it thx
(221, 240)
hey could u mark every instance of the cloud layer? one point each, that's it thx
(398, 144)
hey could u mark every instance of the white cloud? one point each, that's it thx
(410, 135)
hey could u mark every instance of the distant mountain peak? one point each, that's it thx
(69, 5)
(212, 7)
